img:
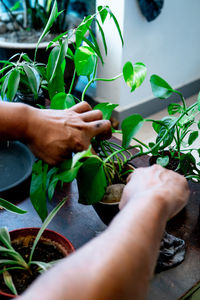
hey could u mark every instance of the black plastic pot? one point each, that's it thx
(107, 211)
(30, 99)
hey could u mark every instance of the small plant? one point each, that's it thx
(10, 259)
(178, 131)
(36, 14)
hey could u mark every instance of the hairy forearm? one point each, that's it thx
(13, 121)
(116, 265)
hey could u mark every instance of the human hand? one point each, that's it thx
(157, 182)
(53, 135)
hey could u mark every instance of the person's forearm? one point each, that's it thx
(116, 265)
(13, 121)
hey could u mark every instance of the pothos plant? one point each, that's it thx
(86, 57)
(178, 131)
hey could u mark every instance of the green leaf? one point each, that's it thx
(198, 101)
(9, 282)
(192, 137)
(53, 62)
(117, 26)
(160, 88)
(62, 101)
(16, 6)
(5, 237)
(103, 36)
(42, 265)
(198, 124)
(163, 161)
(130, 126)
(11, 253)
(54, 14)
(82, 29)
(32, 79)
(174, 108)
(5, 84)
(97, 49)
(13, 83)
(11, 207)
(78, 156)
(91, 181)
(134, 75)
(103, 12)
(85, 60)
(167, 123)
(38, 188)
(57, 84)
(106, 108)
(45, 224)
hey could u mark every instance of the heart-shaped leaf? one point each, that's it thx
(134, 75)
(160, 88)
(85, 59)
(130, 126)
(106, 109)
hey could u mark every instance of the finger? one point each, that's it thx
(81, 107)
(102, 127)
(90, 116)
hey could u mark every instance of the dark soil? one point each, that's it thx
(44, 252)
(172, 165)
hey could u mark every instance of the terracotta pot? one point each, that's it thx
(107, 211)
(49, 236)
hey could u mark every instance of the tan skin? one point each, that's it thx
(119, 263)
(52, 135)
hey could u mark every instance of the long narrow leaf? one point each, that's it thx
(103, 36)
(54, 14)
(9, 282)
(33, 82)
(96, 44)
(45, 224)
(117, 26)
(5, 237)
(11, 207)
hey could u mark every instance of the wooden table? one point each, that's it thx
(80, 224)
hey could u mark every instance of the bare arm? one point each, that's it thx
(120, 262)
(52, 134)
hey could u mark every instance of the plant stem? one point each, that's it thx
(98, 79)
(72, 82)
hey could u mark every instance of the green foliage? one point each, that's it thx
(106, 108)
(130, 126)
(91, 181)
(134, 75)
(11, 207)
(38, 188)
(160, 88)
(85, 60)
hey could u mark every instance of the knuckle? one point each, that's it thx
(86, 105)
(99, 114)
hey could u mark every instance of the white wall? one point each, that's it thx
(169, 46)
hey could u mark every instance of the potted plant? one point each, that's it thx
(176, 151)
(25, 253)
(27, 26)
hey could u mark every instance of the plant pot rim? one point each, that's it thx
(15, 45)
(11, 296)
(30, 160)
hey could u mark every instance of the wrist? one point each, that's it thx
(151, 202)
